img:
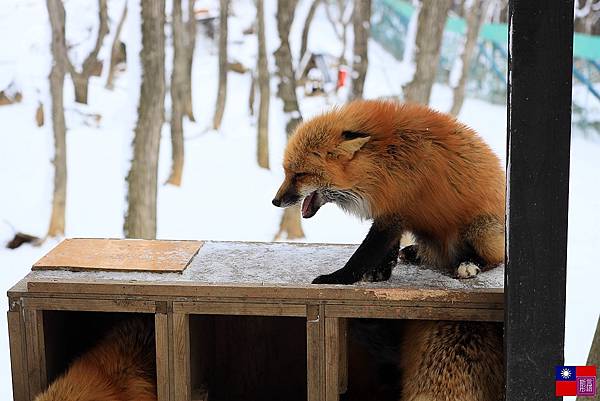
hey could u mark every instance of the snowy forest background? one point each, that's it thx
(169, 120)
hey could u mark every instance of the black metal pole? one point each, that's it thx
(539, 131)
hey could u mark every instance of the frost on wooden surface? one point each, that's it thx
(280, 264)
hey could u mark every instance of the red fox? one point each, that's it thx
(121, 367)
(408, 168)
(451, 361)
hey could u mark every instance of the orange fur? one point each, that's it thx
(121, 367)
(451, 361)
(423, 168)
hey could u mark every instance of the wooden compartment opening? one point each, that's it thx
(248, 358)
(69, 334)
(369, 352)
(370, 357)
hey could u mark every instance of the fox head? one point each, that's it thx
(325, 162)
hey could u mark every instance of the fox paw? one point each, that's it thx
(333, 279)
(377, 275)
(467, 270)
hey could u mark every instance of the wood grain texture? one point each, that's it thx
(18, 356)
(36, 358)
(332, 359)
(239, 308)
(120, 255)
(163, 378)
(90, 305)
(246, 291)
(539, 137)
(415, 312)
(315, 353)
(181, 357)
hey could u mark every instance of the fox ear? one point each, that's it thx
(352, 143)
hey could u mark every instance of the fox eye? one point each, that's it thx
(300, 175)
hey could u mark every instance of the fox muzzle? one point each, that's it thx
(286, 197)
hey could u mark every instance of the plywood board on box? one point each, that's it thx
(95, 254)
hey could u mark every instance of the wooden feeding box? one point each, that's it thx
(233, 320)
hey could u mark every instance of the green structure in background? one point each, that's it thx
(488, 75)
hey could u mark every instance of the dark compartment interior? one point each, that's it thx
(373, 354)
(248, 358)
(69, 334)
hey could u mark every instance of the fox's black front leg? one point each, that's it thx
(383, 271)
(374, 253)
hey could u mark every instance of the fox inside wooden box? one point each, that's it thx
(95, 356)
(104, 320)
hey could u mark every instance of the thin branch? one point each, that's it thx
(333, 21)
(102, 32)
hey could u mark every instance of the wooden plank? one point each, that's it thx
(314, 352)
(415, 312)
(239, 308)
(332, 359)
(181, 357)
(90, 305)
(304, 292)
(162, 357)
(343, 353)
(239, 293)
(120, 255)
(539, 128)
(18, 356)
(36, 357)
(279, 301)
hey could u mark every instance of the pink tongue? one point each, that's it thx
(306, 204)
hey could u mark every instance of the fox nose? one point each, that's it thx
(276, 202)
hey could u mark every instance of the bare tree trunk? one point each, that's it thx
(290, 226)
(474, 16)
(252, 93)
(342, 59)
(222, 90)
(140, 221)
(311, 14)
(593, 358)
(594, 355)
(56, 13)
(286, 89)
(265, 91)
(190, 45)
(362, 31)
(90, 64)
(115, 50)
(177, 94)
(431, 23)
(341, 31)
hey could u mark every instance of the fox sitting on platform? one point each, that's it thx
(121, 367)
(409, 169)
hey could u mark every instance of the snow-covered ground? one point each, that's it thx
(224, 194)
